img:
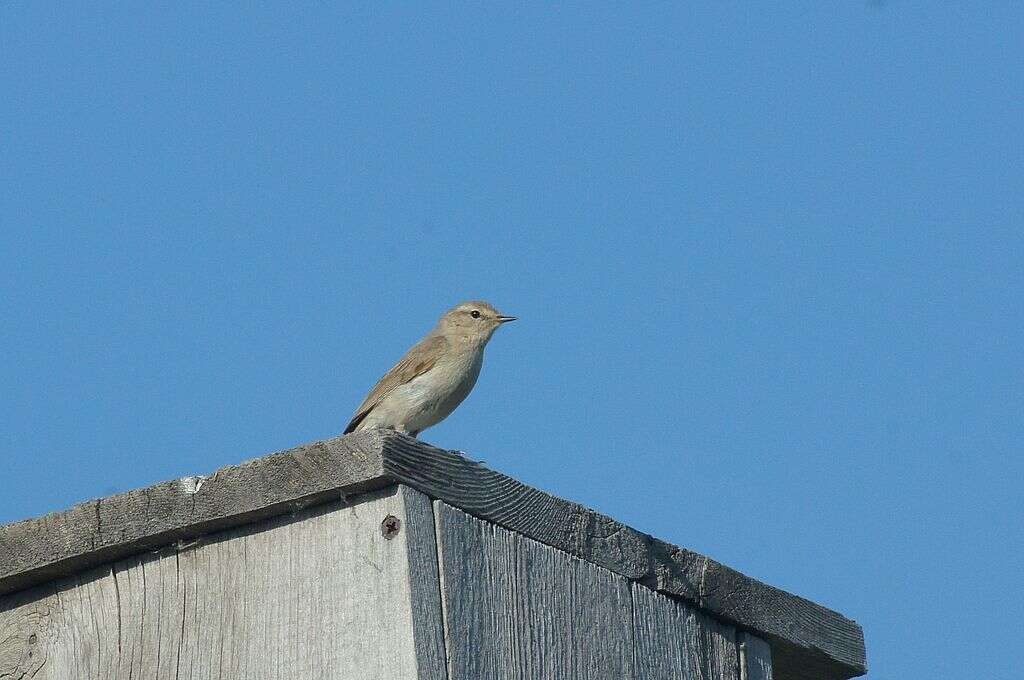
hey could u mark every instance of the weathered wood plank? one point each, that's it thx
(423, 577)
(796, 628)
(807, 640)
(802, 634)
(517, 609)
(677, 642)
(319, 594)
(24, 629)
(103, 530)
(497, 498)
(755, 657)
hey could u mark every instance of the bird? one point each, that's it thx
(434, 376)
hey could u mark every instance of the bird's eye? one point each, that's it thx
(475, 314)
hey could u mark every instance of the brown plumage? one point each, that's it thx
(434, 376)
(417, 361)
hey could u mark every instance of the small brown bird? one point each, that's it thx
(433, 377)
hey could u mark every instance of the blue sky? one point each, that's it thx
(768, 264)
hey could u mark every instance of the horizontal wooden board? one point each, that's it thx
(802, 634)
(106, 529)
(318, 594)
(796, 628)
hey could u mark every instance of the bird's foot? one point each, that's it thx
(465, 455)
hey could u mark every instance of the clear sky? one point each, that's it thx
(768, 264)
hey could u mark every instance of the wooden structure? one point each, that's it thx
(376, 556)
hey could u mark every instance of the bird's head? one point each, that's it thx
(474, 320)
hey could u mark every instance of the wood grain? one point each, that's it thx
(797, 629)
(103, 530)
(318, 594)
(517, 609)
(807, 640)
(677, 642)
(755, 657)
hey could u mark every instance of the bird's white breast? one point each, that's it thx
(429, 398)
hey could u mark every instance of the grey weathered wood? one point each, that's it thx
(26, 622)
(802, 634)
(797, 629)
(422, 573)
(755, 657)
(318, 594)
(100, 531)
(677, 642)
(517, 609)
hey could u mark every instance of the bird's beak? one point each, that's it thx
(506, 319)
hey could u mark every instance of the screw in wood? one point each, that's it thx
(390, 526)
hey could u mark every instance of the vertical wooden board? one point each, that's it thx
(131, 593)
(517, 609)
(27, 622)
(424, 587)
(85, 636)
(755, 657)
(677, 642)
(318, 594)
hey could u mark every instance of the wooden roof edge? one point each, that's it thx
(95, 532)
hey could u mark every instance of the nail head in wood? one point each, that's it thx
(389, 527)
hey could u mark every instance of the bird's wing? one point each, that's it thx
(417, 361)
